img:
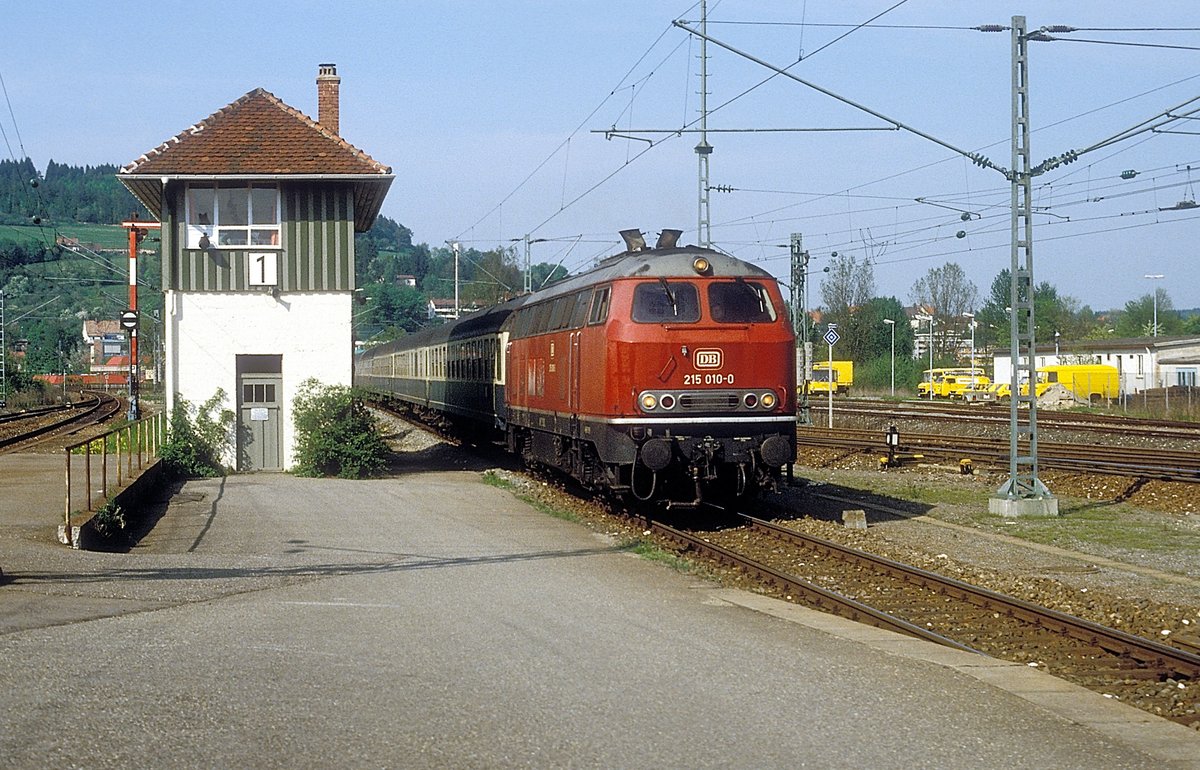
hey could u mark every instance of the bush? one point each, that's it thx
(335, 434)
(194, 446)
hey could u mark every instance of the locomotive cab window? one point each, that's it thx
(665, 302)
(740, 302)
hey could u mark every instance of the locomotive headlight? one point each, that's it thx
(767, 400)
(667, 401)
(649, 401)
(701, 265)
(750, 400)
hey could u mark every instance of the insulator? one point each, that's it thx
(961, 234)
(1058, 29)
(992, 28)
(1128, 173)
(34, 182)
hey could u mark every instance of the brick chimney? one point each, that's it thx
(327, 97)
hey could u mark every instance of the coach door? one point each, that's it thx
(260, 427)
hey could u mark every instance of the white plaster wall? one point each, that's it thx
(205, 332)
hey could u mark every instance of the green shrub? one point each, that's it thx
(335, 433)
(195, 443)
(109, 521)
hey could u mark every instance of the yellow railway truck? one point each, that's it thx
(953, 382)
(1091, 382)
(835, 376)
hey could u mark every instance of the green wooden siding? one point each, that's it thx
(316, 246)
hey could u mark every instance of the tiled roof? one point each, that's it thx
(98, 328)
(257, 134)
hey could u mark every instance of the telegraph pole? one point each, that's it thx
(1023, 493)
(799, 302)
(3, 358)
(704, 149)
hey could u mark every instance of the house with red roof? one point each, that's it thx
(259, 204)
(104, 339)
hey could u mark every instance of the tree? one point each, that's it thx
(390, 310)
(947, 293)
(1052, 312)
(848, 285)
(543, 274)
(1137, 320)
(865, 336)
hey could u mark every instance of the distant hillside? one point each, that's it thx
(63, 195)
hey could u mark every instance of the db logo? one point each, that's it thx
(709, 358)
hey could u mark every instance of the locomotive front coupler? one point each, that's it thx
(705, 453)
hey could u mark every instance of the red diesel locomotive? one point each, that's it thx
(663, 374)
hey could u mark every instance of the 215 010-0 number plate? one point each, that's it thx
(710, 378)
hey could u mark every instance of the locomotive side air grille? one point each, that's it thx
(708, 401)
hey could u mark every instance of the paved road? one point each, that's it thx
(432, 621)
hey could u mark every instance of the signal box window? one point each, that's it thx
(237, 215)
(664, 302)
(740, 302)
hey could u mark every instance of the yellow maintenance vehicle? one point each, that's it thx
(1089, 382)
(953, 382)
(835, 376)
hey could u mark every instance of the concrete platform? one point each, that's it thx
(431, 620)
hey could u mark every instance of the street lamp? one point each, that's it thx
(1155, 277)
(892, 324)
(971, 323)
(455, 246)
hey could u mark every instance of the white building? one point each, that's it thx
(259, 205)
(1143, 363)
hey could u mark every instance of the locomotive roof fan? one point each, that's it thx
(668, 239)
(633, 240)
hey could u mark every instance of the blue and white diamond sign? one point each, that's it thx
(831, 337)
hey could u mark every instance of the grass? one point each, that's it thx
(1085, 525)
(106, 236)
(1107, 527)
(493, 479)
(641, 546)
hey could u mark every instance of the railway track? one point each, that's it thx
(998, 415)
(1141, 462)
(28, 429)
(884, 593)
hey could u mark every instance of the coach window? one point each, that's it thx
(599, 312)
(663, 302)
(740, 302)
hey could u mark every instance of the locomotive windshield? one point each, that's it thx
(664, 302)
(740, 301)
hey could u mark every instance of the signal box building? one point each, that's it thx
(259, 205)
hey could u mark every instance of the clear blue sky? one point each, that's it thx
(486, 113)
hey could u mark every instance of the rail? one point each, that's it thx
(133, 444)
